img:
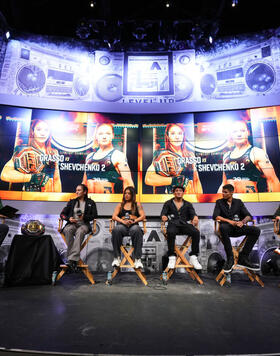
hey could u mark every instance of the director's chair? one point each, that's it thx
(181, 260)
(127, 261)
(223, 277)
(80, 265)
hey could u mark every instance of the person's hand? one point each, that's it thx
(277, 218)
(195, 221)
(164, 218)
(126, 222)
(239, 223)
(3, 216)
(72, 220)
(233, 223)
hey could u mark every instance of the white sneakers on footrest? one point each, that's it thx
(138, 263)
(194, 261)
(116, 262)
(171, 262)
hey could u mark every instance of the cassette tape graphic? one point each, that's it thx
(250, 71)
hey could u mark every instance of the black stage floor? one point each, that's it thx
(128, 318)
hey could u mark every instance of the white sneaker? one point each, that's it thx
(138, 263)
(116, 262)
(195, 263)
(171, 262)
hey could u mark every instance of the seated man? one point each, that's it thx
(78, 213)
(277, 217)
(233, 216)
(4, 228)
(178, 212)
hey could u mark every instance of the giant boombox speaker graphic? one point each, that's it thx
(35, 70)
(250, 71)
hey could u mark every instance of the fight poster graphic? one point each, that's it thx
(207, 150)
(51, 152)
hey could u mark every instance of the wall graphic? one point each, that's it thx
(45, 154)
(247, 67)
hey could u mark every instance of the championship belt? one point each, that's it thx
(168, 164)
(33, 228)
(28, 160)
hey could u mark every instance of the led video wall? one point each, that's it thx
(45, 154)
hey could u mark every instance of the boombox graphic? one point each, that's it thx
(29, 69)
(250, 71)
(145, 77)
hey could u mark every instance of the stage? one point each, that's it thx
(127, 318)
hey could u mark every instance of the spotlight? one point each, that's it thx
(167, 4)
(8, 35)
(210, 39)
(91, 4)
(234, 3)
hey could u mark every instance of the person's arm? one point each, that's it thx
(224, 182)
(119, 160)
(245, 213)
(152, 178)
(92, 212)
(56, 179)
(217, 215)
(115, 216)
(164, 212)
(11, 175)
(141, 213)
(262, 162)
(277, 214)
(196, 182)
(65, 214)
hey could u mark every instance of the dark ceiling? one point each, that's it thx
(60, 17)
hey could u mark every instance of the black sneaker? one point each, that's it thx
(72, 265)
(243, 261)
(228, 265)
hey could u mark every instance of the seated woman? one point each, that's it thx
(127, 214)
(78, 213)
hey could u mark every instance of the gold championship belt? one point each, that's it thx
(33, 228)
(168, 164)
(28, 160)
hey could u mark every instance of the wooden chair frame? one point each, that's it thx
(127, 261)
(181, 260)
(80, 263)
(222, 277)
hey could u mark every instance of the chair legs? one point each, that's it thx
(130, 264)
(182, 262)
(80, 265)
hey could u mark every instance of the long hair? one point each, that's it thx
(133, 199)
(168, 144)
(31, 140)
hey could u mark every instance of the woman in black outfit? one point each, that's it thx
(127, 214)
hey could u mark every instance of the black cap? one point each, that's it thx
(177, 186)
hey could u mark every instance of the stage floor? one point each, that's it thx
(128, 318)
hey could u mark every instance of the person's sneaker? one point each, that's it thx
(228, 265)
(243, 261)
(72, 265)
(138, 263)
(171, 262)
(277, 250)
(116, 262)
(194, 261)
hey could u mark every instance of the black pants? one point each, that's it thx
(174, 229)
(136, 234)
(3, 232)
(252, 233)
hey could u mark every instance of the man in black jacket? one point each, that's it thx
(178, 212)
(233, 217)
(78, 213)
(4, 228)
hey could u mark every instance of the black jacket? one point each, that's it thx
(181, 216)
(89, 214)
(237, 208)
